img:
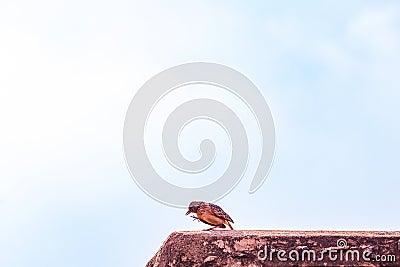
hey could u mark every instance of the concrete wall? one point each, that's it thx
(279, 248)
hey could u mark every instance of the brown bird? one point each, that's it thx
(210, 214)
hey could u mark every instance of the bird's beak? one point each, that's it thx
(188, 212)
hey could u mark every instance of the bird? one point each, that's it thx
(210, 214)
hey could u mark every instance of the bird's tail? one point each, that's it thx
(230, 226)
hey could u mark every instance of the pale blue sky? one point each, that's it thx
(68, 70)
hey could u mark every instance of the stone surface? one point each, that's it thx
(297, 248)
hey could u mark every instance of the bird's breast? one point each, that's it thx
(210, 218)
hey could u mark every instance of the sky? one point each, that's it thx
(69, 69)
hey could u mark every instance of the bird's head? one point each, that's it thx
(194, 206)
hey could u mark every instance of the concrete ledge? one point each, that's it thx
(279, 248)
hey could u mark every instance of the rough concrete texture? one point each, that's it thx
(247, 248)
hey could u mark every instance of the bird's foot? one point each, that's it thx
(195, 218)
(211, 229)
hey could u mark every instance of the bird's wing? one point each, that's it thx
(220, 213)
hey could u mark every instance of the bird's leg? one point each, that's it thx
(195, 218)
(212, 228)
